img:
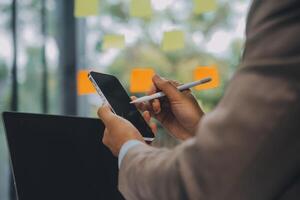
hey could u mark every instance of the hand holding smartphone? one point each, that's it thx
(113, 93)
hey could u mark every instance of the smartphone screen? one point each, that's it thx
(119, 100)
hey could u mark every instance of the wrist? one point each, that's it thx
(130, 138)
(125, 148)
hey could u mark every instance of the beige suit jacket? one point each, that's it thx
(248, 148)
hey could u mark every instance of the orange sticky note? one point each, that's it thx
(141, 80)
(206, 72)
(84, 86)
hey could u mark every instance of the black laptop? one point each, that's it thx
(60, 158)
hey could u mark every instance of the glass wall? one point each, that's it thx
(213, 38)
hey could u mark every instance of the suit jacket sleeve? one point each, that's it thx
(248, 147)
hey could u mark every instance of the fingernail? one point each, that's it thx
(156, 109)
(156, 76)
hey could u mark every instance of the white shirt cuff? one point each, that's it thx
(125, 148)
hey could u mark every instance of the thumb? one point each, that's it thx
(105, 114)
(167, 87)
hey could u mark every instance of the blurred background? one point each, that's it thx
(43, 46)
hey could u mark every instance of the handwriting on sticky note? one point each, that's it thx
(141, 8)
(84, 86)
(205, 72)
(173, 40)
(84, 8)
(203, 6)
(113, 41)
(141, 80)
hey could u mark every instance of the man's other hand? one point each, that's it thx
(179, 112)
(117, 130)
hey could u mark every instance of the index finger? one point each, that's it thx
(143, 106)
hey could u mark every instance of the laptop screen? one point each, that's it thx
(56, 157)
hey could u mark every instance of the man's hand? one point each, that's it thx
(117, 130)
(179, 112)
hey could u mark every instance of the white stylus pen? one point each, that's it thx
(180, 88)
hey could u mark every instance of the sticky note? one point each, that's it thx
(85, 8)
(202, 6)
(113, 41)
(205, 72)
(141, 80)
(173, 40)
(141, 8)
(84, 86)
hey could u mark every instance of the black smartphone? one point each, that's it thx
(113, 93)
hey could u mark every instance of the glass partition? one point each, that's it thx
(213, 38)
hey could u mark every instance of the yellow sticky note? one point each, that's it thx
(207, 72)
(202, 6)
(141, 8)
(113, 41)
(85, 8)
(141, 80)
(84, 86)
(173, 40)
